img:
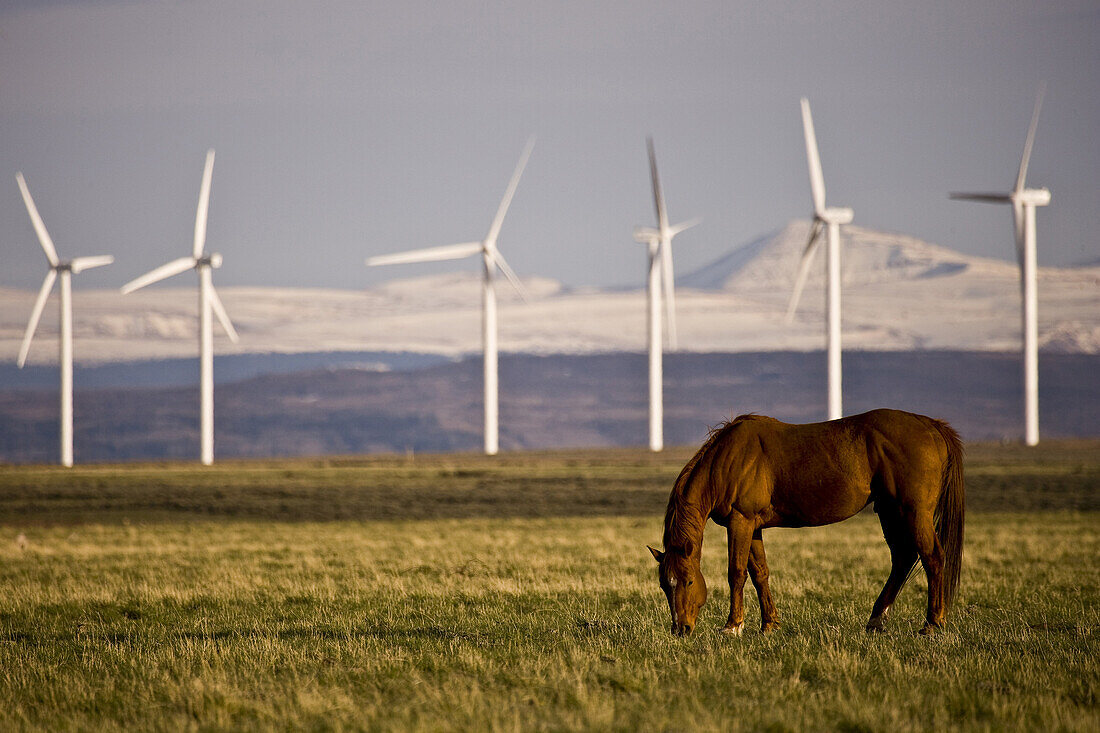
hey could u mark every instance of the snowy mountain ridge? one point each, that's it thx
(899, 293)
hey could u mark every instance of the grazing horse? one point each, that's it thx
(756, 472)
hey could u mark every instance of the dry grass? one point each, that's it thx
(162, 621)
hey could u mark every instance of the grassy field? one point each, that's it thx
(460, 592)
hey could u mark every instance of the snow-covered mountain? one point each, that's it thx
(867, 257)
(899, 293)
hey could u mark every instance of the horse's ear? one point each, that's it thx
(657, 554)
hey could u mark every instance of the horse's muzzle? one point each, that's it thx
(681, 629)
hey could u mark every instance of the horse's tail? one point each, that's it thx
(951, 511)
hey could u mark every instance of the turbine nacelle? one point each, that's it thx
(213, 260)
(1033, 197)
(646, 235)
(836, 215)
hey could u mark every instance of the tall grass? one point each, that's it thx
(459, 592)
(528, 623)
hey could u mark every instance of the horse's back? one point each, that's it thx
(819, 473)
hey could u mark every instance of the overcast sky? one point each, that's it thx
(346, 129)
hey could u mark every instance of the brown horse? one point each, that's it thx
(756, 472)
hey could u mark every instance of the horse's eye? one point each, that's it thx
(690, 582)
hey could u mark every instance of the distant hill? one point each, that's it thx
(867, 257)
(546, 402)
(899, 294)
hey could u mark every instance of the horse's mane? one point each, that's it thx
(685, 519)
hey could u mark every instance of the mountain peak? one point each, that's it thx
(867, 256)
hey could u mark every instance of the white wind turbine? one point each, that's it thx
(660, 286)
(208, 301)
(829, 218)
(1024, 200)
(491, 260)
(64, 271)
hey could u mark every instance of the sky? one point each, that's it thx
(350, 129)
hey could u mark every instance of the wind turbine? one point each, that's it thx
(1024, 200)
(491, 260)
(660, 282)
(63, 270)
(208, 301)
(830, 219)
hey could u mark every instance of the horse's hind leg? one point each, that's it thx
(758, 572)
(922, 526)
(903, 553)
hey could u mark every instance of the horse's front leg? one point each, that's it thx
(758, 571)
(739, 540)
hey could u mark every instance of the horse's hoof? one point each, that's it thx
(733, 629)
(769, 627)
(929, 629)
(876, 626)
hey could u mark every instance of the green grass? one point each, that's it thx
(169, 597)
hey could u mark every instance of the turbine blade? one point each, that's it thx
(223, 317)
(645, 235)
(685, 226)
(431, 254)
(204, 206)
(1022, 175)
(804, 268)
(36, 313)
(988, 198)
(817, 178)
(668, 283)
(36, 220)
(509, 273)
(498, 220)
(174, 267)
(80, 264)
(1018, 223)
(658, 194)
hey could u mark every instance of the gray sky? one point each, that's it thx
(345, 129)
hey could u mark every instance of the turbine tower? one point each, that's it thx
(64, 271)
(208, 302)
(1024, 200)
(491, 261)
(830, 219)
(660, 286)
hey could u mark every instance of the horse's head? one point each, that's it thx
(683, 584)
